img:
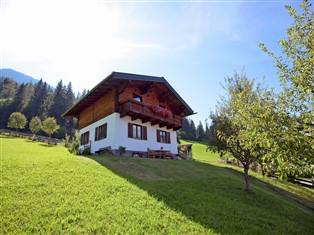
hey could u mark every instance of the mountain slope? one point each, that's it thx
(17, 76)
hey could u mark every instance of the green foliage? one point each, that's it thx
(188, 131)
(122, 150)
(291, 130)
(72, 144)
(50, 125)
(229, 130)
(277, 129)
(295, 67)
(37, 100)
(35, 125)
(46, 190)
(17, 120)
(8, 88)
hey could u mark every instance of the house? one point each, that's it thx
(137, 112)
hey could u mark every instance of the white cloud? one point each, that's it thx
(72, 41)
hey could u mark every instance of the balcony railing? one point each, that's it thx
(137, 110)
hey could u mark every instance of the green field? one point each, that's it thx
(45, 190)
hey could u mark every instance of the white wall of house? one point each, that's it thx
(117, 135)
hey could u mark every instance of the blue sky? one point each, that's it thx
(193, 44)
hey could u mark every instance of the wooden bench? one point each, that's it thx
(158, 153)
(151, 153)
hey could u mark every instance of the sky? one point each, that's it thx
(194, 45)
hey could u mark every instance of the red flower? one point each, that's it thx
(161, 111)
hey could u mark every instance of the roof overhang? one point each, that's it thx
(119, 81)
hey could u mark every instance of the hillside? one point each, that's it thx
(46, 190)
(17, 76)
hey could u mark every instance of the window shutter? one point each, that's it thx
(130, 130)
(82, 136)
(96, 133)
(168, 141)
(87, 138)
(105, 131)
(158, 136)
(144, 132)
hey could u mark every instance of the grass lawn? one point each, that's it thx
(46, 190)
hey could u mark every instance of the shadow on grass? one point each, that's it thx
(7, 136)
(213, 196)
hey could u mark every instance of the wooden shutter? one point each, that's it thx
(96, 133)
(130, 130)
(105, 131)
(144, 135)
(158, 136)
(82, 136)
(87, 137)
(168, 141)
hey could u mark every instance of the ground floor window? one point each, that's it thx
(136, 131)
(101, 132)
(85, 138)
(163, 137)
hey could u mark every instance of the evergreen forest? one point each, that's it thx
(38, 100)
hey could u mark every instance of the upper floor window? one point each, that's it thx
(163, 137)
(85, 138)
(101, 132)
(137, 98)
(137, 131)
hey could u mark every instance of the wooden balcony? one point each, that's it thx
(137, 110)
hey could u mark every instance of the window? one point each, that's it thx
(85, 138)
(137, 131)
(137, 98)
(101, 132)
(163, 137)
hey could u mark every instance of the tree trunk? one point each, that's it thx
(246, 177)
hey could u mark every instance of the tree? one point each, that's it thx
(8, 88)
(200, 132)
(192, 131)
(207, 130)
(185, 129)
(35, 125)
(50, 126)
(63, 99)
(292, 116)
(17, 120)
(22, 97)
(229, 131)
(37, 101)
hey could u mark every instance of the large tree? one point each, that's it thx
(229, 131)
(50, 126)
(35, 125)
(291, 130)
(17, 120)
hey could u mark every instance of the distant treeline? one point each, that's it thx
(190, 132)
(38, 100)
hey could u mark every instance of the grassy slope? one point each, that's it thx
(299, 193)
(46, 190)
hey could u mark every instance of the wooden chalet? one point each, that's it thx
(137, 112)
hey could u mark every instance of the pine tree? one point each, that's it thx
(192, 131)
(200, 133)
(22, 98)
(37, 100)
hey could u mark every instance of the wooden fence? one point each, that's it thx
(29, 136)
